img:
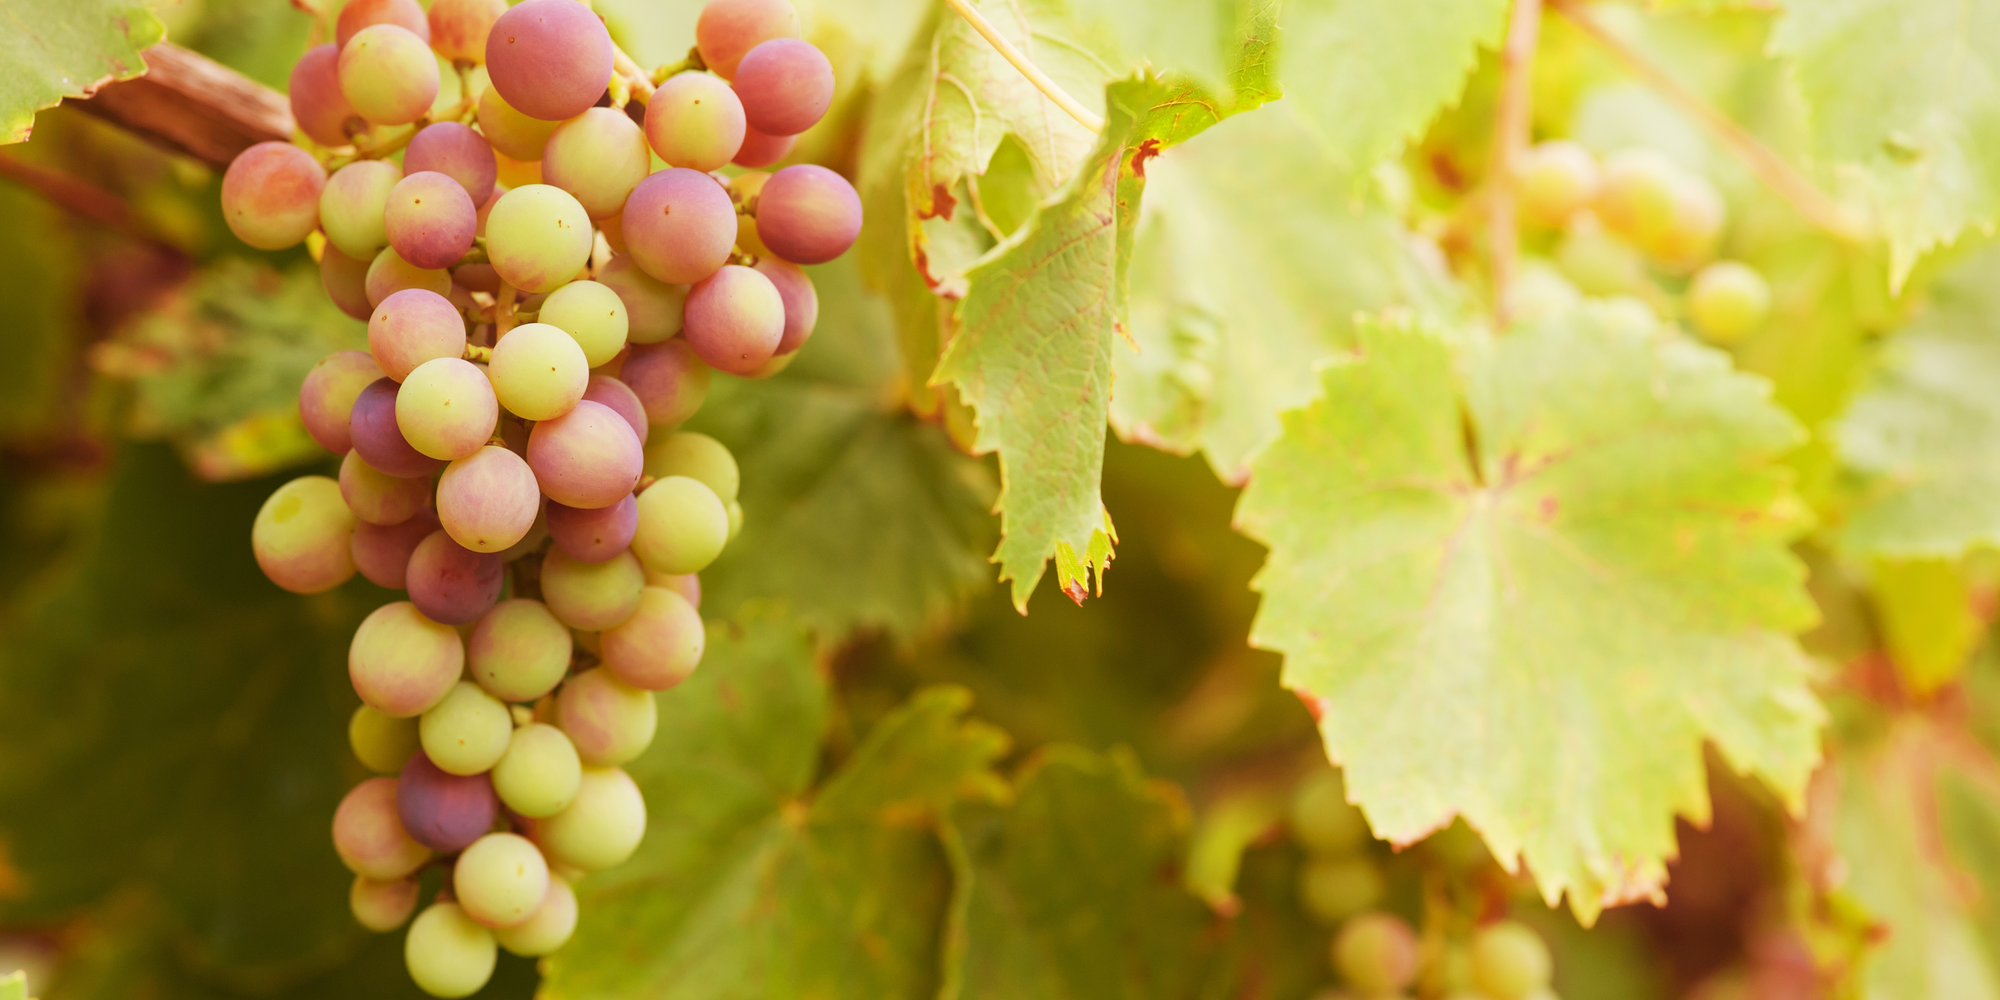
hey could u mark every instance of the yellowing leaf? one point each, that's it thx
(52, 49)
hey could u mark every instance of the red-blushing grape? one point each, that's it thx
(378, 498)
(694, 120)
(270, 195)
(587, 457)
(591, 597)
(1691, 232)
(598, 157)
(620, 397)
(679, 225)
(682, 526)
(351, 205)
(735, 319)
(1510, 961)
(518, 651)
(1727, 300)
(370, 838)
(512, 133)
(760, 150)
(696, 456)
(459, 28)
(445, 812)
(301, 536)
(550, 927)
(538, 235)
(653, 308)
(592, 314)
(539, 774)
(389, 274)
(451, 583)
(549, 58)
(455, 150)
(388, 74)
(411, 327)
(327, 395)
(1376, 953)
(501, 879)
(609, 721)
(359, 14)
(688, 585)
(727, 29)
(382, 553)
(658, 645)
(430, 220)
(448, 953)
(488, 500)
(808, 214)
(402, 662)
(446, 410)
(538, 371)
(382, 906)
(346, 282)
(668, 379)
(602, 827)
(785, 85)
(594, 535)
(318, 105)
(380, 441)
(800, 298)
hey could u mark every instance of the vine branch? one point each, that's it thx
(1084, 116)
(636, 78)
(1511, 125)
(190, 104)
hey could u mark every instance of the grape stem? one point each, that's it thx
(667, 71)
(484, 356)
(638, 79)
(503, 312)
(1511, 123)
(1084, 116)
(1805, 198)
(366, 148)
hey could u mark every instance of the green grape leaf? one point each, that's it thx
(752, 881)
(1903, 93)
(1526, 587)
(55, 50)
(1924, 436)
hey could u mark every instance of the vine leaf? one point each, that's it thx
(56, 48)
(1527, 587)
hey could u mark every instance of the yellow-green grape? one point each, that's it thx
(1539, 292)
(501, 880)
(591, 596)
(515, 135)
(654, 309)
(382, 906)
(538, 776)
(448, 953)
(537, 237)
(1376, 954)
(683, 526)
(592, 314)
(601, 828)
(609, 721)
(696, 456)
(389, 274)
(380, 743)
(1334, 889)
(302, 536)
(1509, 961)
(388, 74)
(735, 520)
(377, 497)
(1728, 300)
(1696, 224)
(549, 928)
(1638, 193)
(467, 732)
(539, 372)
(1597, 261)
(401, 663)
(351, 206)
(1321, 818)
(518, 650)
(659, 646)
(1555, 179)
(446, 409)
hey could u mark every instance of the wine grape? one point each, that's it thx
(587, 457)
(800, 298)
(501, 880)
(679, 225)
(411, 327)
(301, 536)
(668, 379)
(402, 662)
(728, 29)
(378, 498)
(539, 372)
(459, 29)
(688, 585)
(609, 721)
(270, 195)
(808, 214)
(382, 906)
(602, 827)
(451, 583)
(594, 535)
(389, 274)
(538, 775)
(538, 236)
(589, 596)
(346, 282)
(358, 14)
(658, 645)
(327, 395)
(444, 812)
(446, 409)
(379, 742)
(351, 206)
(598, 157)
(511, 133)
(466, 732)
(785, 85)
(1321, 818)
(1691, 232)
(1727, 300)
(759, 150)
(549, 58)
(619, 397)
(549, 928)
(696, 456)
(382, 552)
(1637, 192)
(1333, 889)
(488, 500)
(430, 220)
(388, 74)
(1509, 961)
(592, 314)
(518, 650)
(652, 307)
(735, 319)
(1555, 179)
(1376, 953)
(318, 105)
(447, 952)
(694, 120)
(369, 835)
(682, 526)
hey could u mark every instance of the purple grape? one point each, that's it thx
(551, 59)
(450, 583)
(594, 535)
(372, 425)
(735, 319)
(444, 812)
(458, 152)
(795, 287)
(346, 282)
(669, 380)
(318, 105)
(786, 85)
(620, 397)
(382, 552)
(587, 457)
(430, 220)
(359, 14)
(759, 150)
(679, 224)
(808, 214)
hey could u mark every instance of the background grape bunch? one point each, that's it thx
(509, 459)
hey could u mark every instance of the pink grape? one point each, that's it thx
(610, 721)
(376, 436)
(411, 327)
(735, 319)
(301, 536)
(270, 195)
(668, 379)
(594, 535)
(455, 150)
(538, 235)
(382, 552)
(727, 29)
(451, 583)
(694, 120)
(459, 28)
(370, 836)
(785, 85)
(658, 645)
(430, 220)
(346, 282)
(598, 157)
(808, 214)
(388, 74)
(679, 225)
(620, 397)
(445, 812)
(326, 397)
(359, 14)
(587, 457)
(379, 498)
(514, 134)
(549, 58)
(389, 274)
(489, 500)
(653, 308)
(351, 206)
(318, 105)
(760, 150)
(446, 409)
(800, 298)
(688, 585)
(401, 662)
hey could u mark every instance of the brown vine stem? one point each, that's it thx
(503, 312)
(1805, 198)
(1511, 125)
(638, 79)
(1048, 87)
(79, 197)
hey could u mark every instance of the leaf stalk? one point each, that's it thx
(1084, 116)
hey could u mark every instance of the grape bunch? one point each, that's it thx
(1338, 879)
(525, 344)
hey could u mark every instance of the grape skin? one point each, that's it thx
(389, 274)
(388, 74)
(430, 220)
(539, 774)
(618, 396)
(1728, 300)
(785, 85)
(587, 457)
(735, 319)
(301, 536)
(683, 526)
(467, 732)
(380, 743)
(598, 157)
(501, 880)
(602, 827)
(359, 14)
(668, 379)
(549, 928)
(696, 121)
(808, 214)
(659, 645)
(270, 195)
(1509, 961)
(549, 58)
(378, 498)
(382, 906)
(518, 650)
(318, 105)
(451, 583)
(1556, 179)
(1690, 233)
(688, 585)
(382, 553)
(653, 308)
(1333, 889)
(459, 29)
(594, 535)
(592, 314)
(402, 662)
(759, 150)
(488, 500)
(458, 152)
(539, 372)
(351, 206)
(679, 225)
(728, 29)
(538, 236)
(696, 456)
(327, 395)
(443, 811)
(801, 301)
(609, 721)
(591, 597)
(411, 327)
(448, 953)
(446, 409)
(1636, 194)
(511, 133)
(346, 282)
(1321, 818)
(369, 835)
(1376, 953)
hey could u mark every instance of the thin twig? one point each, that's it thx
(1511, 123)
(1794, 187)
(1041, 80)
(640, 81)
(80, 197)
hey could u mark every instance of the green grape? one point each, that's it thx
(1334, 889)
(1727, 300)
(592, 596)
(1321, 818)
(377, 497)
(351, 206)
(446, 409)
(549, 928)
(1555, 179)
(401, 663)
(538, 371)
(683, 526)
(696, 456)
(598, 157)
(1637, 196)
(1691, 231)
(388, 74)
(654, 309)
(515, 135)
(368, 833)
(1597, 261)
(1509, 961)
(602, 827)
(501, 880)
(1376, 953)
(381, 743)
(538, 775)
(735, 520)
(467, 731)
(518, 650)
(607, 720)
(302, 536)
(592, 314)
(382, 906)
(448, 953)
(659, 645)
(538, 237)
